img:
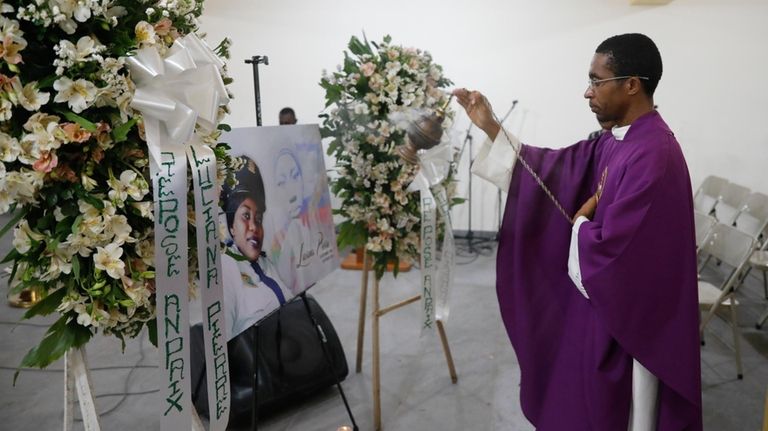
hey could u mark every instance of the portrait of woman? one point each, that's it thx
(259, 289)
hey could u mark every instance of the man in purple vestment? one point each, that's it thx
(602, 313)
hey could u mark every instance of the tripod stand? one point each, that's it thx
(255, 61)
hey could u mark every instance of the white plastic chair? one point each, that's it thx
(732, 247)
(732, 199)
(706, 195)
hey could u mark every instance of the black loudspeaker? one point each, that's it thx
(290, 360)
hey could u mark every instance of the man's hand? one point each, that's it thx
(479, 111)
(588, 209)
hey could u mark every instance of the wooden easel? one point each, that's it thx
(376, 313)
(77, 382)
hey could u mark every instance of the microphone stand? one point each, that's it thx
(255, 61)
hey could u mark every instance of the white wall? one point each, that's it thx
(714, 91)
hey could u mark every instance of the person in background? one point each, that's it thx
(287, 116)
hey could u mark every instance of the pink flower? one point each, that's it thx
(163, 27)
(368, 69)
(75, 133)
(47, 161)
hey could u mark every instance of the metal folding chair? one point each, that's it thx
(733, 248)
(704, 224)
(707, 194)
(732, 199)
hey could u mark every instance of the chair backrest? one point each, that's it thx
(729, 245)
(706, 195)
(732, 199)
(753, 218)
(704, 224)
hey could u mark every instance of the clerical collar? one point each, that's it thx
(619, 132)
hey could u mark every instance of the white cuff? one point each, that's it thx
(496, 160)
(574, 269)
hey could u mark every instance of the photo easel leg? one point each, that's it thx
(77, 383)
(255, 412)
(376, 372)
(447, 351)
(361, 315)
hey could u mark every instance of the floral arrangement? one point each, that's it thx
(379, 84)
(74, 169)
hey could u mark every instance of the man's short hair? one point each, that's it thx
(249, 184)
(287, 111)
(633, 54)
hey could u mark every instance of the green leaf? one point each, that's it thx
(85, 124)
(46, 305)
(359, 48)
(13, 222)
(152, 330)
(12, 255)
(76, 267)
(120, 133)
(47, 82)
(61, 336)
(224, 127)
(350, 65)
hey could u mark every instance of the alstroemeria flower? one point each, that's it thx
(145, 33)
(47, 161)
(10, 47)
(9, 148)
(31, 98)
(74, 133)
(23, 236)
(78, 94)
(107, 258)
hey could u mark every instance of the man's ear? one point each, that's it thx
(634, 86)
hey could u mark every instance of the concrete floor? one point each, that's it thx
(417, 393)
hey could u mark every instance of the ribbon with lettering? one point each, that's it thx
(175, 94)
(436, 274)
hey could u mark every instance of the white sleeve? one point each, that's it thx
(496, 160)
(574, 270)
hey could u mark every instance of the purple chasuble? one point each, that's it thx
(638, 265)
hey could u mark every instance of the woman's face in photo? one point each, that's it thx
(247, 230)
(290, 184)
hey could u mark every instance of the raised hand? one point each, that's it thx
(479, 110)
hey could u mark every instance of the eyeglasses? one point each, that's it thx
(594, 83)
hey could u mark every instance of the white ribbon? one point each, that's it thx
(436, 275)
(174, 94)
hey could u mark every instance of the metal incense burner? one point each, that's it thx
(423, 134)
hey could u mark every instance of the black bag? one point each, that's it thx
(290, 360)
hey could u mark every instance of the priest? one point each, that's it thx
(602, 309)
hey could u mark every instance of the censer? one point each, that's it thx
(423, 134)
(426, 131)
